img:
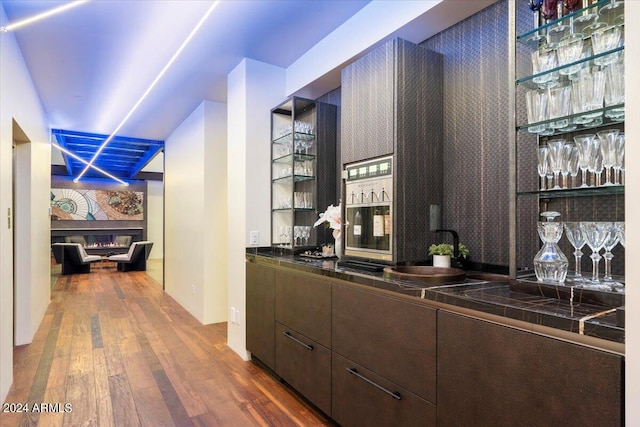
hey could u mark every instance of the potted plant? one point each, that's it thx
(443, 252)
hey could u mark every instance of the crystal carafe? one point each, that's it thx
(550, 263)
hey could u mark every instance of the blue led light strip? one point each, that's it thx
(144, 95)
(80, 159)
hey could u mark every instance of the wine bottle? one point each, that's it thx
(378, 229)
(357, 228)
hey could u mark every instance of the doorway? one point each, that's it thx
(21, 148)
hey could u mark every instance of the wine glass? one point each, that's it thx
(619, 160)
(575, 235)
(584, 146)
(609, 244)
(573, 168)
(595, 233)
(543, 165)
(597, 167)
(555, 159)
(620, 232)
(564, 165)
(608, 150)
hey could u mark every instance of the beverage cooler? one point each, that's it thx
(369, 209)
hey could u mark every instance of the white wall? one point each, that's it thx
(632, 213)
(253, 89)
(19, 101)
(155, 218)
(195, 237)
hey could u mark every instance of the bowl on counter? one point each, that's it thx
(425, 274)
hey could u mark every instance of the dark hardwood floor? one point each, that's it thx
(117, 350)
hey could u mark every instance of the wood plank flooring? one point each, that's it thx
(118, 351)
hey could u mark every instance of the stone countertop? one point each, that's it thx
(559, 307)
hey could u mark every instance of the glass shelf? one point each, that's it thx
(297, 136)
(526, 38)
(293, 210)
(579, 127)
(576, 192)
(297, 157)
(296, 178)
(527, 81)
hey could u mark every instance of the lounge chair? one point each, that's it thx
(135, 259)
(73, 257)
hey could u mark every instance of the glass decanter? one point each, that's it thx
(550, 263)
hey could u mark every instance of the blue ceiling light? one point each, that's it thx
(69, 153)
(124, 157)
(109, 139)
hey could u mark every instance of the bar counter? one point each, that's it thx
(565, 312)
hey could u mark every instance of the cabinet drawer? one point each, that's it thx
(260, 313)
(305, 365)
(362, 398)
(304, 304)
(394, 338)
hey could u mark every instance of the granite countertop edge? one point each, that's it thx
(601, 327)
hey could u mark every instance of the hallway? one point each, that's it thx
(116, 350)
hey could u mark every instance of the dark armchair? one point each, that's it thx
(135, 259)
(122, 241)
(76, 239)
(73, 257)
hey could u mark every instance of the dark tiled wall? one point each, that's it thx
(476, 146)
(475, 143)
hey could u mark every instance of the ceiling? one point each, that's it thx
(92, 63)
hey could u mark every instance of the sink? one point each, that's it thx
(425, 274)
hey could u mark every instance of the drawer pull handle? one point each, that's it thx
(394, 394)
(291, 337)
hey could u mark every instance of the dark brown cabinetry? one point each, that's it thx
(304, 304)
(396, 339)
(305, 365)
(363, 398)
(493, 375)
(303, 335)
(261, 313)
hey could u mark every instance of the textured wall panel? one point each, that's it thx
(392, 104)
(418, 150)
(367, 105)
(475, 143)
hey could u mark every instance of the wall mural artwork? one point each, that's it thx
(96, 205)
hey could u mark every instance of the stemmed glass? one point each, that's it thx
(608, 150)
(596, 234)
(575, 235)
(596, 167)
(543, 166)
(619, 160)
(620, 232)
(609, 244)
(567, 149)
(573, 168)
(584, 145)
(555, 159)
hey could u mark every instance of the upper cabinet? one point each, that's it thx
(303, 171)
(391, 99)
(392, 108)
(569, 135)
